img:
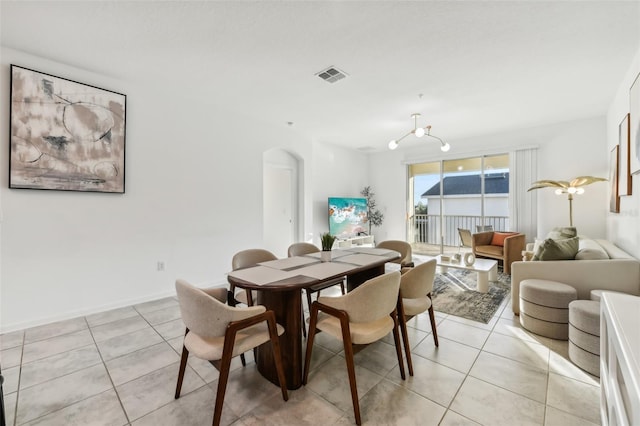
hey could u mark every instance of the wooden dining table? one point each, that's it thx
(279, 285)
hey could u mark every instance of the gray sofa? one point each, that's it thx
(599, 265)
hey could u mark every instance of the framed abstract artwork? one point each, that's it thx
(614, 203)
(634, 120)
(65, 135)
(624, 174)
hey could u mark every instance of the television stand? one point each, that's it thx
(362, 241)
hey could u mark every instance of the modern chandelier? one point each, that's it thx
(420, 132)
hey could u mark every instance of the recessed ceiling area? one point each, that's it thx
(483, 67)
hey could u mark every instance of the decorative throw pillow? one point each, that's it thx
(499, 237)
(591, 254)
(562, 232)
(551, 249)
(590, 250)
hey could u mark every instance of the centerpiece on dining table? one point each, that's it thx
(327, 241)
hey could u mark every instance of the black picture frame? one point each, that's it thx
(65, 135)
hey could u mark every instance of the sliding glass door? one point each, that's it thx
(448, 195)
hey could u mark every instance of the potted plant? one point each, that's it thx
(374, 215)
(327, 241)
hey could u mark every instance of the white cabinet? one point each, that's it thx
(363, 241)
(620, 359)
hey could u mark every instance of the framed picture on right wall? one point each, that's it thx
(614, 159)
(624, 176)
(634, 115)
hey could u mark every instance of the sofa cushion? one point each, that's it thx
(590, 250)
(499, 237)
(551, 249)
(563, 232)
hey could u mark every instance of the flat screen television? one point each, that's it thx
(347, 216)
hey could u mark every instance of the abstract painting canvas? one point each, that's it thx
(65, 135)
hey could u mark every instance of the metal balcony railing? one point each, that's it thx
(425, 228)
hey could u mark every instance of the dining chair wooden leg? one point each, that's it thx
(402, 319)
(223, 378)
(432, 318)
(342, 287)
(304, 327)
(313, 319)
(231, 301)
(183, 366)
(277, 355)
(396, 338)
(309, 299)
(351, 369)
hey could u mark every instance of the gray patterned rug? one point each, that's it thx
(455, 293)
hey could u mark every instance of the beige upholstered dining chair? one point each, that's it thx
(247, 259)
(362, 316)
(416, 286)
(300, 249)
(217, 332)
(402, 247)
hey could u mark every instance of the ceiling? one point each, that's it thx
(481, 67)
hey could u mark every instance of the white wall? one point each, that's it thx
(337, 172)
(565, 151)
(624, 228)
(193, 198)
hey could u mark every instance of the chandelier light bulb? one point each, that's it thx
(558, 191)
(446, 147)
(580, 191)
(572, 190)
(419, 132)
(393, 145)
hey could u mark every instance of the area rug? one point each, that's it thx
(454, 292)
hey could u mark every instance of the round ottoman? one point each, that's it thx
(584, 335)
(544, 307)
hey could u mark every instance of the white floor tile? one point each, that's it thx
(462, 333)
(491, 405)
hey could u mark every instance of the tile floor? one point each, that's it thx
(120, 368)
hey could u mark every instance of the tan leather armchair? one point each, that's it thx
(508, 253)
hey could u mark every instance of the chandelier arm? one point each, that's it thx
(435, 137)
(398, 140)
(443, 143)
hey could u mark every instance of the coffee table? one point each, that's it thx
(486, 269)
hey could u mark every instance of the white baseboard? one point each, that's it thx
(7, 328)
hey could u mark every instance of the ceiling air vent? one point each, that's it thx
(331, 74)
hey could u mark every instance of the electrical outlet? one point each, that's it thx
(160, 266)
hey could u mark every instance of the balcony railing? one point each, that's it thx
(426, 227)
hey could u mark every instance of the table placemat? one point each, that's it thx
(289, 263)
(324, 270)
(261, 275)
